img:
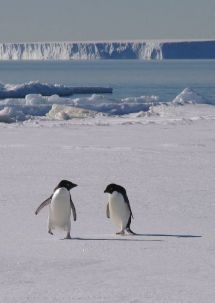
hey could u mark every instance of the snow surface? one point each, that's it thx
(167, 167)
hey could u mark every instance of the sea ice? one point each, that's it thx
(168, 171)
(188, 104)
(189, 96)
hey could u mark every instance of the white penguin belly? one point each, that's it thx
(60, 209)
(119, 211)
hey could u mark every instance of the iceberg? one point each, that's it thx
(46, 89)
(183, 105)
(144, 50)
(189, 96)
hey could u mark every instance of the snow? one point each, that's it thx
(167, 167)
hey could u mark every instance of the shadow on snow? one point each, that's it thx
(111, 239)
(132, 238)
(169, 235)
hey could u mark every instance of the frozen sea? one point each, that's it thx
(128, 78)
(137, 86)
(155, 136)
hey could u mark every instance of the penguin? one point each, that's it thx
(60, 205)
(118, 208)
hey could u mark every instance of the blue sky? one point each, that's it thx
(67, 20)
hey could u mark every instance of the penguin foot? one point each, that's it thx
(122, 232)
(50, 232)
(68, 236)
(130, 232)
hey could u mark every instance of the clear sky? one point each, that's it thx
(67, 20)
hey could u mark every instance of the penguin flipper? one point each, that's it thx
(108, 211)
(73, 209)
(43, 204)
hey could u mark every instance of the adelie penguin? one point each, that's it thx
(60, 206)
(118, 208)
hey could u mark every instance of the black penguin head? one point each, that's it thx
(114, 187)
(67, 184)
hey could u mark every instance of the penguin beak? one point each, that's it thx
(105, 191)
(74, 185)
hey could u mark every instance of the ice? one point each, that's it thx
(168, 171)
(33, 87)
(62, 112)
(46, 89)
(116, 107)
(143, 109)
(9, 115)
(189, 96)
(95, 50)
(81, 50)
(34, 105)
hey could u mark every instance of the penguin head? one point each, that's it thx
(67, 184)
(114, 187)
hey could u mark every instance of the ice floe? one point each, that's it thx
(187, 104)
(46, 89)
(189, 96)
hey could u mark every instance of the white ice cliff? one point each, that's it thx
(145, 50)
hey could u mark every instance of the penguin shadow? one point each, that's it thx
(134, 239)
(120, 239)
(169, 235)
